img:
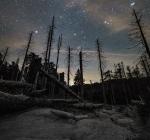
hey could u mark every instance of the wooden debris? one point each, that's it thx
(88, 106)
(14, 84)
(67, 115)
(64, 87)
(38, 93)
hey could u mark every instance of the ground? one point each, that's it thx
(42, 124)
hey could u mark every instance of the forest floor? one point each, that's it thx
(43, 124)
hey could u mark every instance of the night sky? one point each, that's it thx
(81, 22)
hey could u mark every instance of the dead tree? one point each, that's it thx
(47, 48)
(61, 85)
(6, 52)
(144, 65)
(138, 33)
(58, 50)
(81, 74)
(136, 72)
(147, 62)
(108, 76)
(51, 39)
(99, 51)
(4, 57)
(129, 72)
(123, 70)
(27, 49)
(68, 72)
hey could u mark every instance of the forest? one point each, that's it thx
(37, 82)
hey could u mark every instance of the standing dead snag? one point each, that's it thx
(6, 52)
(123, 70)
(144, 65)
(47, 48)
(51, 38)
(58, 50)
(28, 46)
(68, 73)
(4, 57)
(81, 74)
(139, 34)
(99, 51)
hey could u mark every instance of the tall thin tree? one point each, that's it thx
(58, 50)
(142, 35)
(47, 48)
(99, 51)
(27, 49)
(68, 72)
(144, 65)
(51, 38)
(6, 52)
(81, 73)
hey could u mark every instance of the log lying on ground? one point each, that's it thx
(61, 85)
(137, 102)
(10, 97)
(88, 106)
(10, 103)
(38, 93)
(42, 102)
(67, 101)
(126, 122)
(67, 115)
(15, 84)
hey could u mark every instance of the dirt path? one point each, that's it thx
(41, 124)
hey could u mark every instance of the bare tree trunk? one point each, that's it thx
(81, 74)
(142, 33)
(144, 66)
(47, 48)
(61, 85)
(28, 46)
(101, 70)
(58, 50)
(51, 38)
(6, 52)
(68, 73)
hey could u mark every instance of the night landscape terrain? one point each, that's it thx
(74, 70)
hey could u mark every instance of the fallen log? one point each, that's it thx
(15, 84)
(137, 102)
(42, 102)
(10, 103)
(38, 93)
(64, 87)
(13, 97)
(87, 106)
(67, 115)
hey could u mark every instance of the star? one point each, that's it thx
(36, 31)
(132, 4)
(74, 34)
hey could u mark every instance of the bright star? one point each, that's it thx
(132, 4)
(36, 31)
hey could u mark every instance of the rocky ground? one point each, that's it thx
(50, 124)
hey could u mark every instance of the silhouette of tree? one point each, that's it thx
(129, 72)
(77, 79)
(137, 33)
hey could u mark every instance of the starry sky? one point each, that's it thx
(81, 22)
